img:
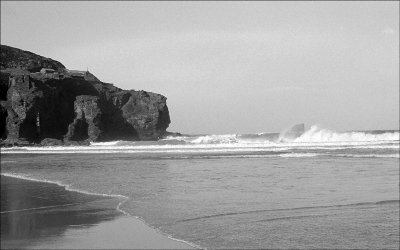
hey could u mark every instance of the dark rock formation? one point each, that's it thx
(71, 108)
(13, 58)
(292, 133)
(296, 131)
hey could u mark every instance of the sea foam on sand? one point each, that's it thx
(83, 225)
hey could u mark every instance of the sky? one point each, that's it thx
(230, 67)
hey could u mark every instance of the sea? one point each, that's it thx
(322, 189)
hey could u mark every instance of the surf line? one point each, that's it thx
(118, 208)
(66, 186)
(69, 188)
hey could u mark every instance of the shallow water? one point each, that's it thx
(329, 194)
(40, 215)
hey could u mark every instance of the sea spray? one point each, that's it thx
(170, 183)
(316, 139)
(316, 134)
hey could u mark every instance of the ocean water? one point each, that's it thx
(323, 189)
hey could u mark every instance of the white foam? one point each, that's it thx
(316, 134)
(157, 149)
(66, 186)
(299, 155)
(110, 143)
(201, 148)
(125, 199)
(215, 139)
(69, 188)
(314, 138)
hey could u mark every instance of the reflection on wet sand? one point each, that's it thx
(32, 210)
(45, 215)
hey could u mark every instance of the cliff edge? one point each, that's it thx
(43, 102)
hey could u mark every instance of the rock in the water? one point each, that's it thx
(72, 107)
(292, 133)
(51, 142)
(296, 130)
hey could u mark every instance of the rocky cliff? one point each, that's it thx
(66, 107)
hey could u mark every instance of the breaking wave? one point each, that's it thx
(315, 141)
(316, 134)
(214, 139)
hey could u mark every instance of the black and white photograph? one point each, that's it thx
(200, 125)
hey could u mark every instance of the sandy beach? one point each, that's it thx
(47, 216)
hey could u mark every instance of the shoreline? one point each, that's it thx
(120, 217)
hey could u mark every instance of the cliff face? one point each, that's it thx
(13, 58)
(71, 108)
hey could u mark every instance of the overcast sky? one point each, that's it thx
(230, 67)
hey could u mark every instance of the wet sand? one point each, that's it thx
(46, 216)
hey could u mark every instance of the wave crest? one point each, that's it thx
(316, 134)
(215, 139)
